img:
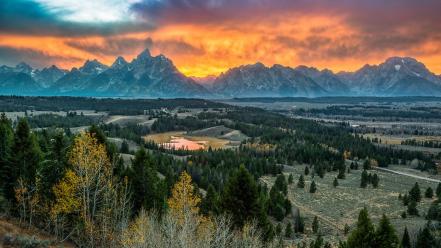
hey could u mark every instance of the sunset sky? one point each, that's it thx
(206, 37)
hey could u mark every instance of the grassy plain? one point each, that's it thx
(338, 206)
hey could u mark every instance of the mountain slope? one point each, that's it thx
(258, 80)
(157, 76)
(145, 76)
(396, 76)
(327, 80)
(48, 76)
(18, 80)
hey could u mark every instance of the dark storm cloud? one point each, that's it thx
(116, 46)
(31, 18)
(12, 56)
(381, 24)
(111, 46)
(200, 11)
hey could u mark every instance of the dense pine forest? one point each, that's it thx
(80, 186)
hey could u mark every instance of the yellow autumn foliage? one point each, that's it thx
(183, 200)
(87, 190)
(66, 200)
(88, 158)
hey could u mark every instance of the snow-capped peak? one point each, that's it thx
(93, 67)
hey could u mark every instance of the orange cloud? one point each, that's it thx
(208, 49)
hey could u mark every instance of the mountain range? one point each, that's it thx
(148, 76)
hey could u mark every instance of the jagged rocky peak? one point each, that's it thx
(5, 68)
(53, 69)
(279, 67)
(144, 55)
(257, 65)
(23, 67)
(93, 67)
(119, 62)
(308, 71)
(401, 60)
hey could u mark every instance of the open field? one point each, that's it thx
(397, 139)
(220, 132)
(336, 207)
(426, 150)
(130, 119)
(118, 142)
(205, 141)
(20, 114)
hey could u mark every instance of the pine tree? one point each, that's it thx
(405, 199)
(98, 134)
(288, 230)
(405, 241)
(335, 183)
(27, 152)
(240, 197)
(364, 179)
(404, 215)
(290, 179)
(438, 191)
(210, 203)
(429, 193)
(375, 180)
(25, 162)
(53, 170)
(301, 183)
(412, 208)
(299, 223)
(148, 191)
(318, 243)
(120, 170)
(124, 147)
(312, 188)
(7, 170)
(434, 212)
(280, 184)
(385, 235)
(341, 173)
(276, 204)
(366, 165)
(364, 233)
(320, 171)
(352, 166)
(426, 239)
(415, 193)
(306, 170)
(315, 225)
(288, 206)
